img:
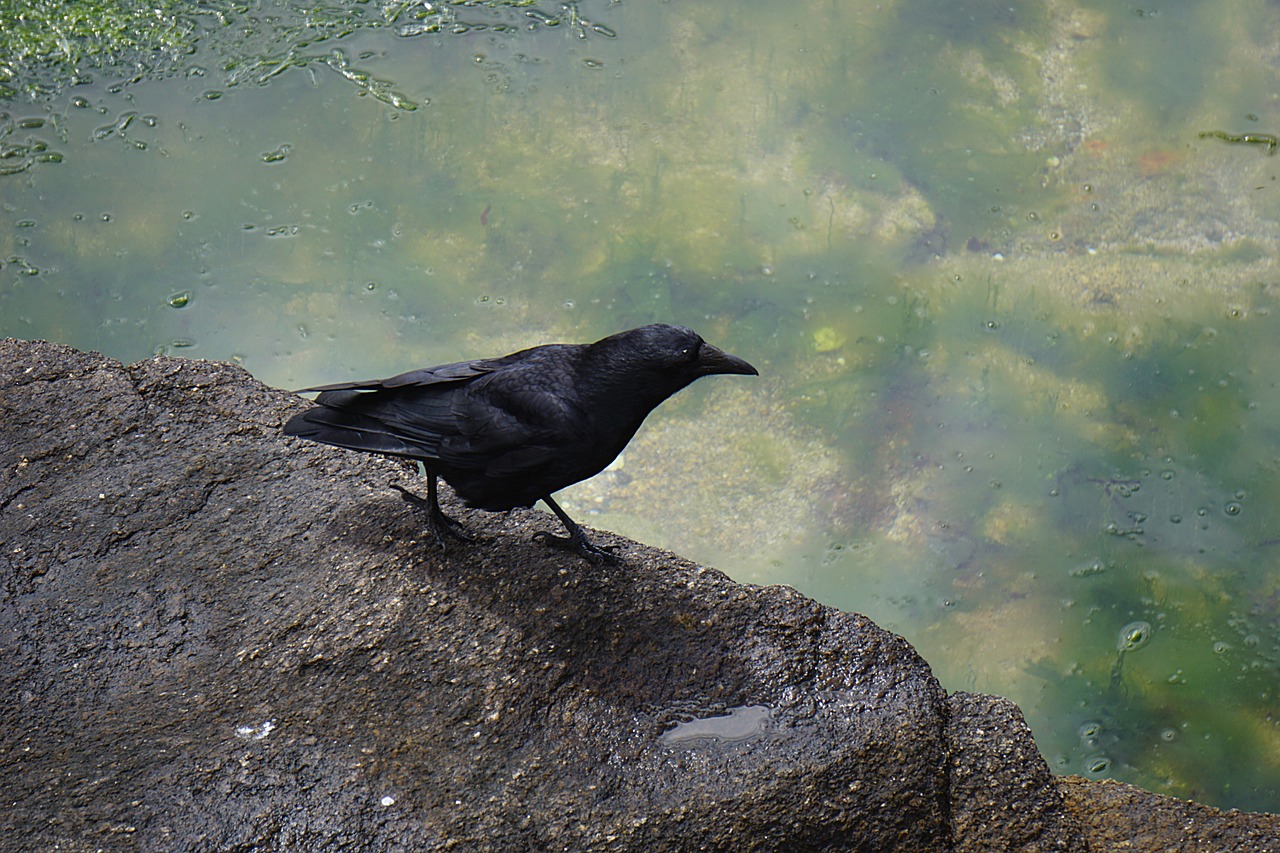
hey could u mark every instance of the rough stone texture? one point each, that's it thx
(1003, 796)
(215, 638)
(1120, 818)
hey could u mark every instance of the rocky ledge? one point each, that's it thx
(215, 638)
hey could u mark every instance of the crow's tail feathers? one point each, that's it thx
(352, 430)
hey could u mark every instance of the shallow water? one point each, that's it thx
(1015, 315)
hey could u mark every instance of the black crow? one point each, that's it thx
(506, 432)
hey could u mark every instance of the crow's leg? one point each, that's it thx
(576, 540)
(438, 523)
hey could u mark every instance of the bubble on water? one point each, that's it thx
(1089, 731)
(1168, 734)
(1092, 567)
(180, 300)
(1097, 765)
(1232, 508)
(1134, 636)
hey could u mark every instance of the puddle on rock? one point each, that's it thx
(745, 722)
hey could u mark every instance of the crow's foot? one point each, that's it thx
(580, 545)
(576, 541)
(440, 525)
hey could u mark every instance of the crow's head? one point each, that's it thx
(663, 359)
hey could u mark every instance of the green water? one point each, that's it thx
(1015, 316)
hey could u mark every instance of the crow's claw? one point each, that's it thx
(580, 545)
(440, 525)
(576, 541)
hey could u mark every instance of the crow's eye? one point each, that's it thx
(691, 353)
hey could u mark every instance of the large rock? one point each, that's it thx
(215, 638)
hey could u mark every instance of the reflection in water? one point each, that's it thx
(1015, 317)
(742, 723)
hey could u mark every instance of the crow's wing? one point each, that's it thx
(372, 414)
(510, 431)
(501, 431)
(363, 420)
(512, 445)
(458, 371)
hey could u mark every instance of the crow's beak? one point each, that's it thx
(713, 360)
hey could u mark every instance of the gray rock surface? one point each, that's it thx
(215, 638)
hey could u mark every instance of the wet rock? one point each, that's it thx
(1123, 818)
(217, 638)
(1002, 795)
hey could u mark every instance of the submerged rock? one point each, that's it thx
(217, 638)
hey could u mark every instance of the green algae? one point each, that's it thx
(91, 33)
(49, 45)
(1267, 140)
